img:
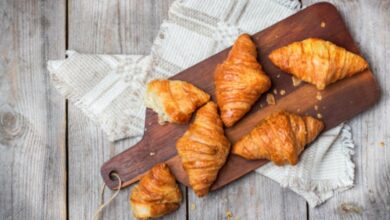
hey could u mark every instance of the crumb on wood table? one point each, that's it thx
(152, 153)
(229, 214)
(319, 115)
(275, 91)
(323, 24)
(298, 110)
(295, 81)
(277, 76)
(382, 143)
(350, 208)
(316, 107)
(282, 92)
(319, 96)
(271, 99)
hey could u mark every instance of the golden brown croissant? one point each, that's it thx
(157, 194)
(280, 138)
(317, 61)
(174, 100)
(203, 149)
(239, 81)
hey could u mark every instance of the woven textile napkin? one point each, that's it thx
(109, 88)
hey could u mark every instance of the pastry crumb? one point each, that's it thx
(275, 91)
(271, 99)
(229, 214)
(318, 96)
(382, 143)
(319, 115)
(298, 110)
(278, 76)
(261, 105)
(152, 153)
(296, 82)
(316, 107)
(350, 208)
(193, 206)
(282, 92)
(323, 24)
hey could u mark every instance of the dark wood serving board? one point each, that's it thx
(339, 102)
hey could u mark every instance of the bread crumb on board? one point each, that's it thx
(323, 24)
(295, 81)
(316, 107)
(319, 115)
(282, 92)
(229, 214)
(271, 99)
(278, 76)
(275, 91)
(319, 96)
(152, 153)
(382, 143)
(298, 110)
(193, 206)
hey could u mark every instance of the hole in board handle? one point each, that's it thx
(113, 175)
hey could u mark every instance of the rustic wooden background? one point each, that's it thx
(50, 153)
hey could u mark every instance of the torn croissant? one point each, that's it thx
(239, 81)
(280, 138)
(157, 194)
(174, 100)
(317, 61)
(203, 149)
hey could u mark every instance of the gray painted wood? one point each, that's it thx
(126, 27)
(251, 197)
(369, 24)
(32, 113)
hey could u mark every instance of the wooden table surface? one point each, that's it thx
(50, 153)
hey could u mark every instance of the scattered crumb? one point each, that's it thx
(229, 214)
(193, 207)
(271, 99)
(382, 143)
(282, 92)
(347, 208)
(319, 115)
(319, 97)
(278, 76)
(323, 24)
(296, 82)
(150, 123)
(152, 153)
(299, 110)
(261, 105)
(316, 107)
(275, 91)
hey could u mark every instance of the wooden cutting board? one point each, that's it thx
(338, 103)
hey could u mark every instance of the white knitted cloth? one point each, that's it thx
(109, 88)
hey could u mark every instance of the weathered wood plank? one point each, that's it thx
(369, 24)
(251, 197)
(118, 27)
(32, 113)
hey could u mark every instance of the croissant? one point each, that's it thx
(280, 138)
(157, 194)
(317, 61)
(174, 100)
(239, 81)
(203, 149)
